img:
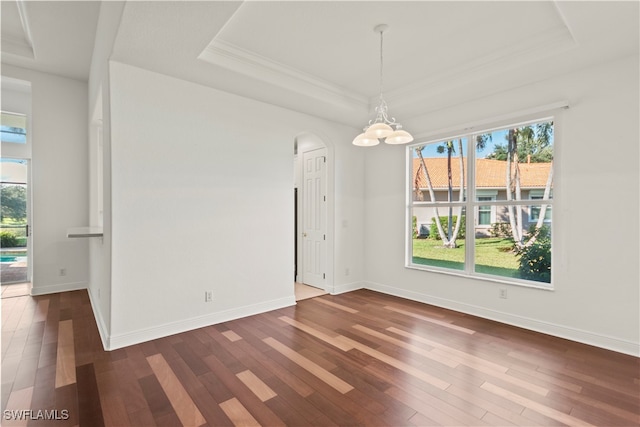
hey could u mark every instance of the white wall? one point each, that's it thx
(595, 261)
(201, 192)
(59, 179)
(99, 107)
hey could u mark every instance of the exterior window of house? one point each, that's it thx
(13, 128)
(484, 211)
(534, 210)
(476, 200)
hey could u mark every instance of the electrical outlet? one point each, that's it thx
(63, 271)
(208, 296)
(346, 271)
(98, 293)
(503, 293)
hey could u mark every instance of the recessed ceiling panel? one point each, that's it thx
(334, 42)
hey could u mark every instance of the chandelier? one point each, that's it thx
(382, 127)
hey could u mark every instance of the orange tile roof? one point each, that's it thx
(489, 173)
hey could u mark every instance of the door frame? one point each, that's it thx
(304, 142)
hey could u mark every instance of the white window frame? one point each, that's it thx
(471, 204)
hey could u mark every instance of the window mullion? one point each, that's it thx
(470, 244)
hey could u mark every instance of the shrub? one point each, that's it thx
(535, 259)
(8, 240)
(414, 226)
(444, 220)
(500, 229)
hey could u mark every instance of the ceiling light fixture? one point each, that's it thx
(382, 127)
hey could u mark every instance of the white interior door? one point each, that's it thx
(314, 230)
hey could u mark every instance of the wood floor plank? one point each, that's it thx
(180, 400)
(318, 334)
(358, 358)
(447, 361)
(430, 320)
(336, 305)
(238, 413)
(242, 393)
(303, 362)
(112, 399)
(448, 351)
(256, 385)
(66, 358)
(535, 406)
(90, 410)
(293, 382)
(402, 366)
(19, 400)
(159, 404)
(231, 336)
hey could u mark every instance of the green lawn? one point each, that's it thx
(493, 255)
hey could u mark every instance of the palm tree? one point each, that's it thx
(432, 195)
(527, 141)
(448, 239)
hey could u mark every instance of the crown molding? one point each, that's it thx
(529, 51)
(20, 46)
(235, 58)
(17, 47)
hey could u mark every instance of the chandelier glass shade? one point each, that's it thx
(382, 128)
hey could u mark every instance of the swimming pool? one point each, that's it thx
(13, 257)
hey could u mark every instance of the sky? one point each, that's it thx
(498, 137)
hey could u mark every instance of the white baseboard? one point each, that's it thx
(61, 287)
(142, 335)
(97, 314)
(570, 333)
(347, 287)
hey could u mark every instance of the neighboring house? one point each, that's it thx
(490, 186)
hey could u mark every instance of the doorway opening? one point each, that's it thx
(14, 226)
(313, 249)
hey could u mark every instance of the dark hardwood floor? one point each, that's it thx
(360, 358)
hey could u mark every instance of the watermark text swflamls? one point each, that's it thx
(33, 414)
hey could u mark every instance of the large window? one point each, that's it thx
(13, 128)
(480, 203)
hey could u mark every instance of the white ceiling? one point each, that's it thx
(51, 36)
(322, 57)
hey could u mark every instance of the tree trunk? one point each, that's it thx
(511, 147)
(460, 194)
(518, 195)
(450, 196)
(432, 195)
(543, 208)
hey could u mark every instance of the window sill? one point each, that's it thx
(477, 276)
